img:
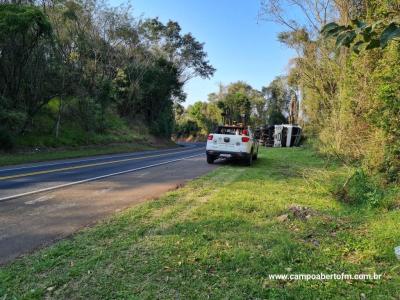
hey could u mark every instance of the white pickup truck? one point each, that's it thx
(234, 142)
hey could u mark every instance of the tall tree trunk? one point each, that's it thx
(58, 124)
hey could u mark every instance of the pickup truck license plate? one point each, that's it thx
(225, 155)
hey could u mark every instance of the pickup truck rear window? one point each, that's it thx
(230, 130)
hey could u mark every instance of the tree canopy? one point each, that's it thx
(81, 65)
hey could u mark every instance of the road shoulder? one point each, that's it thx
(29, 222)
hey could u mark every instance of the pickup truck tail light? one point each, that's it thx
(210, 137)
(245, 139)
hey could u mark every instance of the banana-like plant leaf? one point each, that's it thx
(328, 27)
(333, 29)
(356, 47)
(367, 33)
(335, 32)
(359, 24)
(390, 32)
(374, 43)
(345, 38)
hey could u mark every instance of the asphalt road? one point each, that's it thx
(43, 202)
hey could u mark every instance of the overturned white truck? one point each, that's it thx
(285, 135)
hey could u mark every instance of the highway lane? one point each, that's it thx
(25, 179)
(23, 168)
(107, 184)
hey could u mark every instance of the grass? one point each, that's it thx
(221, 236)
(52, 154)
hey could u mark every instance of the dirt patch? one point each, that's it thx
(301, 212)
(297, 212)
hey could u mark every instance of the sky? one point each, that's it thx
(239, 46)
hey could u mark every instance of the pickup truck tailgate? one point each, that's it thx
(223, 142)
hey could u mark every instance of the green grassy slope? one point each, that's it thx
(41, 145)
(221, 236)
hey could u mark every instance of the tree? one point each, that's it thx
(278, 95)
(314, 13)
(206, 114)
(184, 51)
(239, 102)
(29, 74)
(87, 68)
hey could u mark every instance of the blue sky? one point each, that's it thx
(238, 46)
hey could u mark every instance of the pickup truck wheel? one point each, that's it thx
(210, 159)
(249, 160)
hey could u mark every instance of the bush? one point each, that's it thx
(360, 189)
(186, 128)
(6, 140)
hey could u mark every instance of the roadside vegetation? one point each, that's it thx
(223, 234)
(346, 75)
(75, 142)
(79, 73)
(350, 96)
(231, 103)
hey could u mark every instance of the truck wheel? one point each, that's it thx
(249, 160)
(210, 159)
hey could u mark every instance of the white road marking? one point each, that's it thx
(91, 159)
(40, 199)
(88, 165)
(94, 178)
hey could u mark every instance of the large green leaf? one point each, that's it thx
(356, 47)
(374, 43)
(390, 32)
(367, 33)
(328, 27)
(359, 24)
(345, 38)
(333, 29)
(338, 30)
